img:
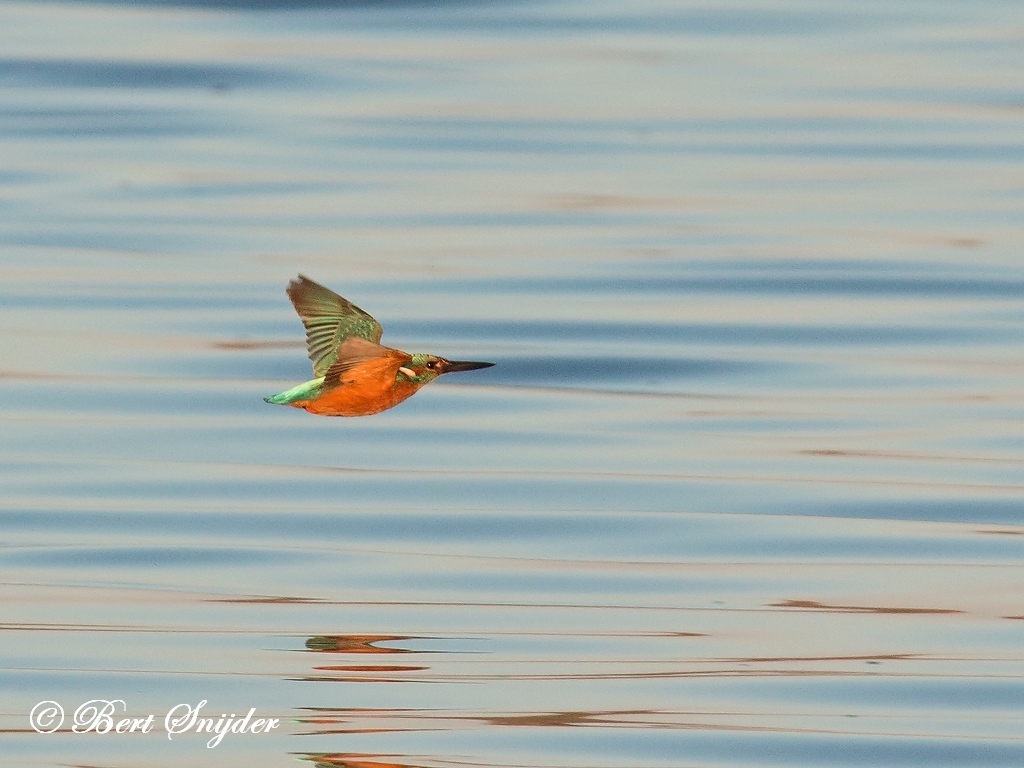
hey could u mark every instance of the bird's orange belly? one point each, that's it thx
(357, 398)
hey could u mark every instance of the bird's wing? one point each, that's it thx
(356, 352)
(329, 320)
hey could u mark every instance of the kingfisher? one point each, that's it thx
(355, 374)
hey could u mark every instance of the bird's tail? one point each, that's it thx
(307, 391)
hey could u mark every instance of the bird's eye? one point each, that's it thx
(431, 364)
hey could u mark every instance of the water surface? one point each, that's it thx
(746, 487)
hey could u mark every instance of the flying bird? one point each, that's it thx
(355, 375)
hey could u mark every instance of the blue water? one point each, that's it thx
(745, 487)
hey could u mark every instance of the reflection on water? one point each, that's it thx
(354, 761)
(354, 644)
(744, 488)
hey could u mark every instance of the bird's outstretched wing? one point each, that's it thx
(372, 361)
(329, 320)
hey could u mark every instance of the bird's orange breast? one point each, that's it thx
(365, 389)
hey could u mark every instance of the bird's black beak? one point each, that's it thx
(453, 366)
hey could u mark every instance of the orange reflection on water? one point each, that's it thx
(354, 761)
(354, 644)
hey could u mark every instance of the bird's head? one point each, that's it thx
(423, 369)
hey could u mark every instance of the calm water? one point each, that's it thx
(746, 487)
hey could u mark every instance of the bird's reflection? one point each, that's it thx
(355, 643)
(355, 761)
